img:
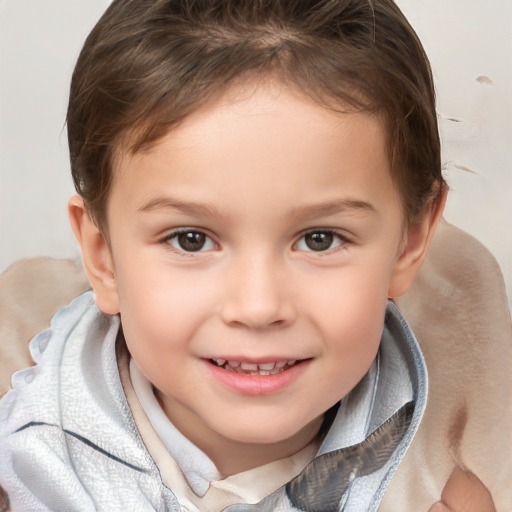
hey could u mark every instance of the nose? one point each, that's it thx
(257, 295)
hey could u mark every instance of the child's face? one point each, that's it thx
(264, 230)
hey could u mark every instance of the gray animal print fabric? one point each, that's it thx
(323, 485)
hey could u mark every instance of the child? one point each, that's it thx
(256, 179)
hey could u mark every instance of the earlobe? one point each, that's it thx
(417, 241)
(96, 256)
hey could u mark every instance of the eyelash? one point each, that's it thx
(174, 235)
(211, 244)
(342, 240)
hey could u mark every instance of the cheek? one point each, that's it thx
(350, 316)
(351, 296)
(159, 336)
(162, 312)
(355, 332)
(161, 320)
(151, 288)
(353, 346)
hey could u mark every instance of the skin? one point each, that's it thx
(464, 492)
(256, 172)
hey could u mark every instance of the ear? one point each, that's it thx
(96, 256)
(417, 240)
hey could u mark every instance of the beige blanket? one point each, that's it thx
(458, 310)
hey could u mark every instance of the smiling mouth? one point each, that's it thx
(272, 368)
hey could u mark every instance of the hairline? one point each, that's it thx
(133, 141)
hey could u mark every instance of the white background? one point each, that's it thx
(469, 43)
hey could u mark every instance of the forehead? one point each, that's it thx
(262, 139)
(250, 95)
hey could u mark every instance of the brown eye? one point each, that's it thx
(191, 241)
(319, 241)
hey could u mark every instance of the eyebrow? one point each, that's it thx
(332, 208)
(168, 203)
(309, 211)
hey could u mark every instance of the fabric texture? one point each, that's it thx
(184, 468)
(458, 310)
(69, 440)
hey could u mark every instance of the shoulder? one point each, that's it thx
(67, 436)
(37, 390)
(31, 291)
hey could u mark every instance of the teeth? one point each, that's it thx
(271, 368)
(249, 366)
(267, 366)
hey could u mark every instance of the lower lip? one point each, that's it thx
(257, 385)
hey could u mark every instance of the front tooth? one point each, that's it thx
(249, 366)
(267, 366)
(234, 364)
(220, 362)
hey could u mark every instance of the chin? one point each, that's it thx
(268, 432)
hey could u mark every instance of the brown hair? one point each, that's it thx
(147, 64)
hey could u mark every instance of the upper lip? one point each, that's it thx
(258, 360)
